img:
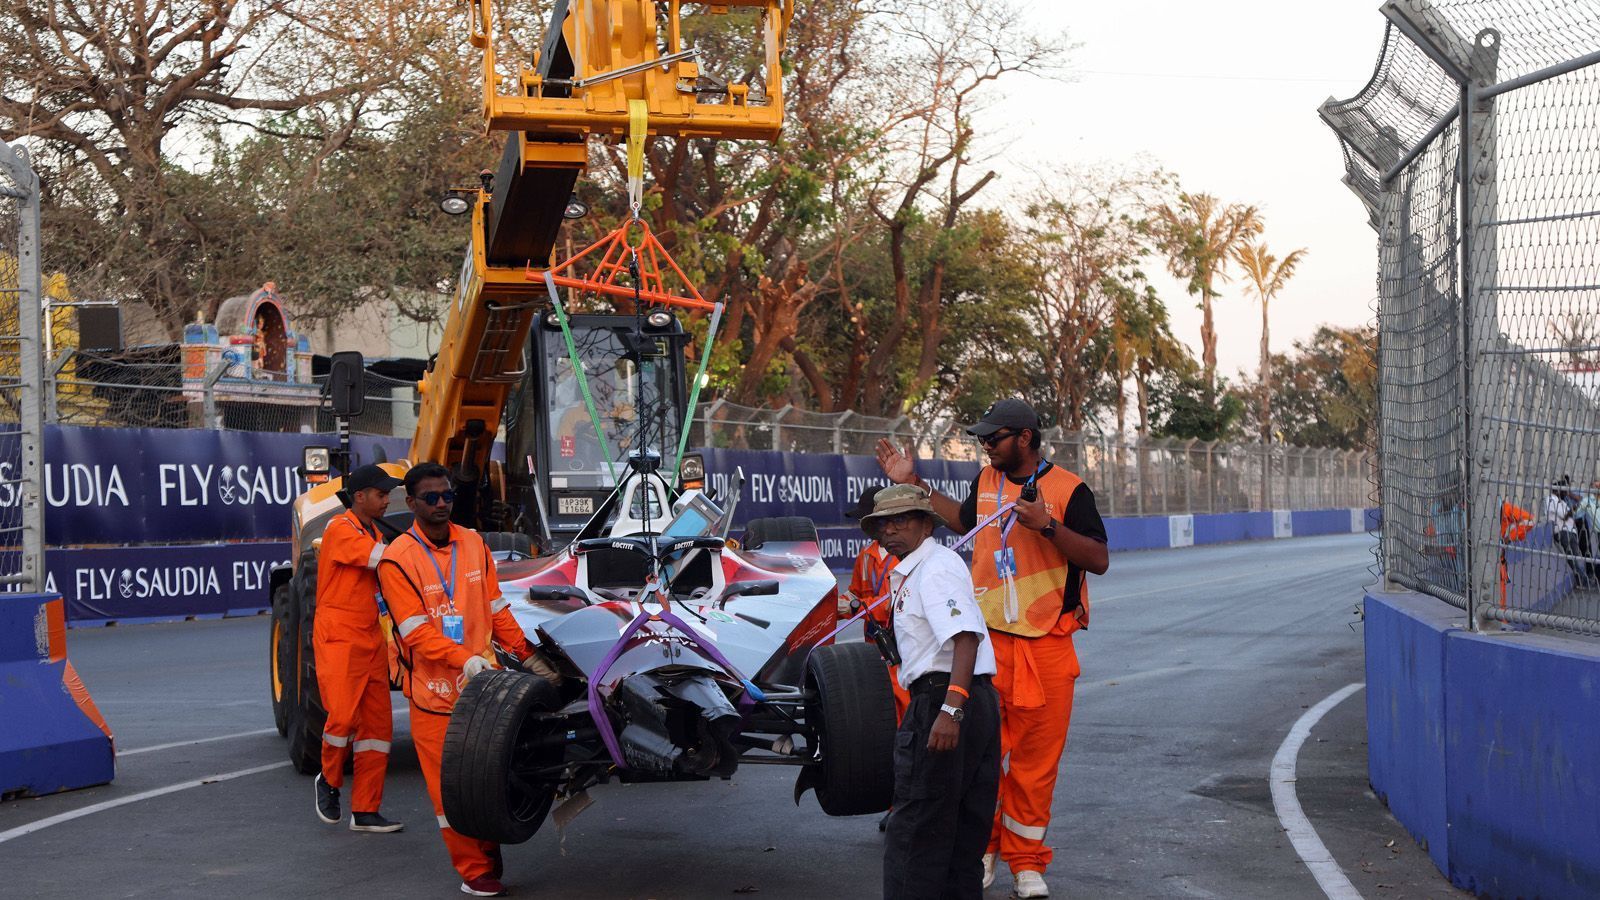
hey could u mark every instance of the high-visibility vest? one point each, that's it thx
(1041, 569)
(420, 597)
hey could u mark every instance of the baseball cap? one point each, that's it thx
(1007, 413)
(370, 476)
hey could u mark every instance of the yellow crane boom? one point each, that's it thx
(596, 57)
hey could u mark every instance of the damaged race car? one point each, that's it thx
(683, 655)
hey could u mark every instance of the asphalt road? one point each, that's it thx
(1196, 666)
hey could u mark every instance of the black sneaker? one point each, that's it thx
(374, 823)
(327, 801)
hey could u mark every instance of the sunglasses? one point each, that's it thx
(992, 440)
(434, 498)
(899, 520)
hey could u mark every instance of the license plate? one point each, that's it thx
(575, 506)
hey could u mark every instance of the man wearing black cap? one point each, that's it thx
(1032, 589)
(352, 662)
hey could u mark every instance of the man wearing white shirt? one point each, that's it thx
(947, 751)
(1559, 510)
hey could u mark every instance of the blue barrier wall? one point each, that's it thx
(52, 738)
(1405, 712)
(1487, 747)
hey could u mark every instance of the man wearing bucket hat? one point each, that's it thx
(1032, 586)
(869, 579)
(947, 750)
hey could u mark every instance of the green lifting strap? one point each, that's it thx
(694, 393)
(577, 366)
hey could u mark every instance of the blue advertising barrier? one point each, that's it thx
(1487, 747)
(159, 485)
(52, 738)
(152, 584)
(222, 498)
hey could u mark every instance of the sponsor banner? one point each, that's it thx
(841, 546)
(155, 485)
(820, 487)
(133, 583)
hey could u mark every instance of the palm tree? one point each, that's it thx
(1199, 236)
(1267, 275)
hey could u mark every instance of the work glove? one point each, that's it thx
(847, 604)
(474, 665)
(541, 667)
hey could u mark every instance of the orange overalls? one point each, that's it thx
(868, 581)
(1036, 666)
(1515, 523)
(424, 584)
(352, 661)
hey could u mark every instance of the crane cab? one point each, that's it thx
(556, 466)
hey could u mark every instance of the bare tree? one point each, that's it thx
(953, 54)
(1576, 333)
(127, 96)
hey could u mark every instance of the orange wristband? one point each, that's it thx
(959, 690)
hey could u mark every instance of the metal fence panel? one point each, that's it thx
(1473, 148)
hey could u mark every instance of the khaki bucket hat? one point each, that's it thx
(901, 498)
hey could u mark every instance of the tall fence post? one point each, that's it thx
(30, 365)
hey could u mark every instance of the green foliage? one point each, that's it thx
(1325, 389)
(1196, 409)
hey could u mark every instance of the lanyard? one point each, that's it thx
(1000, 499)
(449, 586)
(881, 575)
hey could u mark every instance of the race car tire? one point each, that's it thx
(779, 528)
(482, 783)
(514, 541)
(280, 657)
(854, 721)
(307, 717)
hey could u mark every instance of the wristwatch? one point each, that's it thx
(954, 712)
(1049, 529)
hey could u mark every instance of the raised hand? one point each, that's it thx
(899, 465)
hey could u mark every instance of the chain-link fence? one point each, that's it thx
(21, 333)
(1473, 147)
(1131, 475)
(155, 387)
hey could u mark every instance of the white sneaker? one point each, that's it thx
(988, 869)
(1029, 883)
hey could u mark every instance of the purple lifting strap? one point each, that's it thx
(602, 722)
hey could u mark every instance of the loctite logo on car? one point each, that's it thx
(569, 446)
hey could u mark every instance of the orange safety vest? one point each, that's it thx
(418, 589)
(1041, 569)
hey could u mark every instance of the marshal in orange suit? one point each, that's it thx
(352, 660)
(440, 584)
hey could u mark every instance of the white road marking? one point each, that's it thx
(399, 711)
(31, 827)
(1307, 845)
(220, 737)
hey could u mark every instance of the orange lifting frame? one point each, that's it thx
(616, 252)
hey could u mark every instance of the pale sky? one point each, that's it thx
(1224, 94)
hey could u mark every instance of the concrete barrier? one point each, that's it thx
(52, 738)
(1486, 747)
